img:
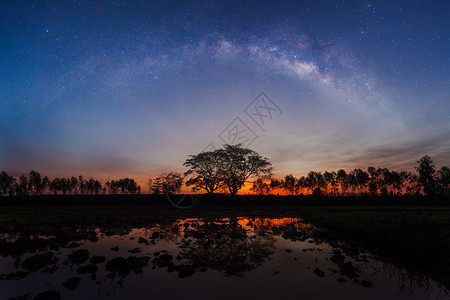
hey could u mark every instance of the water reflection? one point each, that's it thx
(112, 262)
(225, 245)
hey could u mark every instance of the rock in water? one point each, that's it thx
(79, 257)
(37, 261)
(119, 265)
(319, 272)
(72, 283)
(97, 259)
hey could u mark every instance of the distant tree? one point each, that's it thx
(45, 184)
(351, 182)
(384, 180)
(55, 185)
(330, 181)
(81, 185)
(64, 185)
(320, 182)
(34, 182)
(395, 181)
(362, 179)
(128, 186)
(302, 183)
(411, 183)
(98, 187)
(342, 180)
(112, 187)
(290, 184)
(426, 170)
(124, 186)
(37, 184)
(274, 185)
(93, 186)
(6, 184)
(73, 185)
(260, 187)
(444, 179)
(373, 180)
(311, 181)
(22, 188)
(170, 183)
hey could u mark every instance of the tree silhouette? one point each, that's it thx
(260, 187)
(275, 184)
(167, 183)
(241, 164)
(302, 183)
(444, 179)
(124, 186)
(37, 184)
(73, 185)
(341, 178)
(92, 186)
(290, 184)
(7, 184)
(81, 185)
(227, 168)
(22, 188)
(361, 178)
(330, 181)
(426, 170)
(207, 169)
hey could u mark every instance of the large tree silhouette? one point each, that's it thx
(243, 163)
(207, 170)
(227, 168)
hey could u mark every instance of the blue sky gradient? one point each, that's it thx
(130, 88)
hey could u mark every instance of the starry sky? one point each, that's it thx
(110, 89)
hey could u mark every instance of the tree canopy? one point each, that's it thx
(227, 168)
(166, 183)
(426, 171)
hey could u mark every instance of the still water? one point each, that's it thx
(263, 258)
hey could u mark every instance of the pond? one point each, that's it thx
(218, 258)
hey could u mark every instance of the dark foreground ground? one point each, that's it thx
(413, 233)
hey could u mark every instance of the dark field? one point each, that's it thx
(415, 237)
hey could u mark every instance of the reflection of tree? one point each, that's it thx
(226, 247)
(293, 229)
(412, 283)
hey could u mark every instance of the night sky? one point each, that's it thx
(110, 89)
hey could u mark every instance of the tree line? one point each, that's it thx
(35, 184)
(228, 169)
(375, 181)
(356, 182)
